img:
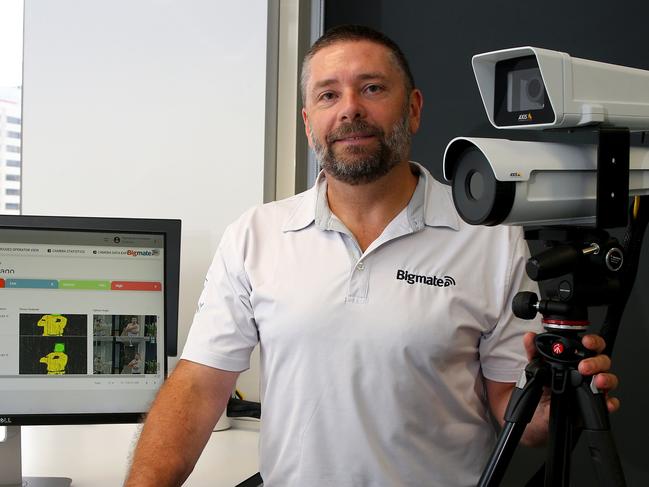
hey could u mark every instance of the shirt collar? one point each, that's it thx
(432, 202)
(430, 205)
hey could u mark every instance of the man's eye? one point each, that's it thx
(327, 96)
(373, 89)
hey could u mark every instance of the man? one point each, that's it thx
(384, 321)
(132, 329)
(134, 366)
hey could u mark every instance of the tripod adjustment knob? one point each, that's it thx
(553, 262)
(525, 305)
(614, 259)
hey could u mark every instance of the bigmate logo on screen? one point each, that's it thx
(446, 281)
(143, 253)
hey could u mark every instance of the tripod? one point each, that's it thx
(580, 269)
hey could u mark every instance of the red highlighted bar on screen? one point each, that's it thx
(2, 283)
(135, 286)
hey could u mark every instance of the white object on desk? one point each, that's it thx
(99, 455)
(224, 423)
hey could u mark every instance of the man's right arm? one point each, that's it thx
(179, 424)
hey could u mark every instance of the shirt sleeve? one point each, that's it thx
(224, 332)
(502, 354)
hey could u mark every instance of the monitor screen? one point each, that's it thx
(88, 315)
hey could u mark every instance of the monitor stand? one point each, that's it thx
(11, 471)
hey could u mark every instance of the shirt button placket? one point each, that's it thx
(359, 283)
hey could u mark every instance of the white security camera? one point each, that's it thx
(498, 181)
(528, 87)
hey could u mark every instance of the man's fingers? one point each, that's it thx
(599, 363)
(594, 342)
(613, 404)
(606, 382)
(594, 365)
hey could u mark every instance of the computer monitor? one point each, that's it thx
(88, 316)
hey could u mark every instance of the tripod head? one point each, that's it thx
(579, 268)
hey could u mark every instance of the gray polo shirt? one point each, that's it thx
(372, 362)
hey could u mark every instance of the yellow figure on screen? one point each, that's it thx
(53, 325)
(56, 360)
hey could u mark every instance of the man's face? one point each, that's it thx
(358, 116)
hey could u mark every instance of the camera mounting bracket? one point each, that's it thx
(612, 177)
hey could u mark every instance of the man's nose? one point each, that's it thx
(352, 107)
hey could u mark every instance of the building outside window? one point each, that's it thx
(11, 58)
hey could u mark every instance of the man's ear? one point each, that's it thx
(415, 104)
(307, 127)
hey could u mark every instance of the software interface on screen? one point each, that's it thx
(81, 321)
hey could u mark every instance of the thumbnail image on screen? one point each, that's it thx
(125, 344)
(53, 344)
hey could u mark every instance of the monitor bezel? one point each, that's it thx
(171, 229)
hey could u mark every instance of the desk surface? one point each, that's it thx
(98, 455)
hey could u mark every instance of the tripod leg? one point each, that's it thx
(520, 410)
(559, 449)
(499, 460)
(597, 433)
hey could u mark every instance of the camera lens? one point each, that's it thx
(525, 90)
(479, 197)
(534, 89)
(475, 186)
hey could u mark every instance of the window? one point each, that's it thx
(11, 60)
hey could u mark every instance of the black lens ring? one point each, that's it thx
(497, 197)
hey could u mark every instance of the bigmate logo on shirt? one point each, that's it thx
(446, 281)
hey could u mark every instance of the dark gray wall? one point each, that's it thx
(439, 40)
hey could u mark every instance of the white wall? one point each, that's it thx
(147, 108)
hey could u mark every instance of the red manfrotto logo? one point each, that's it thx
(557, 348)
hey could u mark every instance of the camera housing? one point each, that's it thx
(499, 181)
(533, 88)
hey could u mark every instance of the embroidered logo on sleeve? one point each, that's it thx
(406, 276)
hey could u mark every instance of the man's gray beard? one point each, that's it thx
(365, 166)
